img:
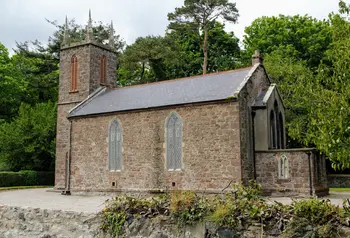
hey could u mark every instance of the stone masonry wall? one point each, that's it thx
(88, 56)
(62, 145)
(339, 180)
(211, 150)
(246, 97)
(43, 223)
(297, 181)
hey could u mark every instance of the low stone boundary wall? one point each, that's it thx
(339, 180)
(43, 223)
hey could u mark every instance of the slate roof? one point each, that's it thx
(204, 88)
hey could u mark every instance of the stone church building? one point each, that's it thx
(198, 133)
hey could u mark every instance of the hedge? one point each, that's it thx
(26, 178)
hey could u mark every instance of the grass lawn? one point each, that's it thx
(339, 189)
(22, 187)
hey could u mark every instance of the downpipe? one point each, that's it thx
(68, 162)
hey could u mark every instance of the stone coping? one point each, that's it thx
(138, 191)
(339, 175)
(82, 43)
(286, 150)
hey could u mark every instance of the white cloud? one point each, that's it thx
(22, 20)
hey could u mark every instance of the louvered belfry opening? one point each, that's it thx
(103, 70)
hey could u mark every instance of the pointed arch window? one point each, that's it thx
(283, 171)
(278, 131)
(174, 142)
(281, 130)
(103, 69)
(273, 143)
(74, 77)
(115, 140)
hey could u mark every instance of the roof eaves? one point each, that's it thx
(227, 100)
(93, 95)
(244, 82)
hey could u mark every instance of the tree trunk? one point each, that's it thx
(205, 49)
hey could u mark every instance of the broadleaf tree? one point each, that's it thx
(308, 36)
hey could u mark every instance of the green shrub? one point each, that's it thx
(187, 208)
(314, 218)
(26, 178)
(235, 211)
(121, 209)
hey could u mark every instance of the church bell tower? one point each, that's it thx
(84, 67)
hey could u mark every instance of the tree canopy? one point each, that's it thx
(308, 37)
(199, 15)
(318, 98)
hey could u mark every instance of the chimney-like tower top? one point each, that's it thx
(257, 58)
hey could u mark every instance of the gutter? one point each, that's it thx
(225, 100)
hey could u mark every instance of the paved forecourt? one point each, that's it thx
(41, 198)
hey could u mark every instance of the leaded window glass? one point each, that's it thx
(174, 142)
(103, 69)
(283, 167)
(115, 146)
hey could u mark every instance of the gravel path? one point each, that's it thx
(41, 198)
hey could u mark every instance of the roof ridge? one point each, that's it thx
(184, 78)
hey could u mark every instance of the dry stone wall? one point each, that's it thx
(17, 222)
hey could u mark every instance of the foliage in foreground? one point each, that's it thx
(236, 210)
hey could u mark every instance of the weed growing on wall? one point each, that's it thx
(187, 208)
(314, 218)
(122, 210)
(236, 210)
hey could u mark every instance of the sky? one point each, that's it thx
(24, 20)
